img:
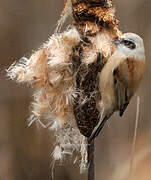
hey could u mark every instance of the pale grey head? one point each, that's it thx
(131, 45)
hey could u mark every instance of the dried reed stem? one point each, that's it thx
(135, 136)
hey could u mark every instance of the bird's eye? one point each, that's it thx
(129, 44)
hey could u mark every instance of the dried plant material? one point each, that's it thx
(90, 17)
(65, 75)
(48, 71)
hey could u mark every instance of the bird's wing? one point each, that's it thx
(107, 92)
(122, 96)
(123, 89)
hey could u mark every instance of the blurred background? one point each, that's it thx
(25, 152)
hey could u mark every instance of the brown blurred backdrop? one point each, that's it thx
(25, 152)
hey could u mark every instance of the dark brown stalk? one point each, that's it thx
(91, 171)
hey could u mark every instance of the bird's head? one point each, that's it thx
(131, 45)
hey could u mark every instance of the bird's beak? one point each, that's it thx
(117, 41)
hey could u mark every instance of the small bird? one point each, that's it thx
(120, 77)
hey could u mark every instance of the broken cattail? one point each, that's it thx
(65, 75)
(97, 25)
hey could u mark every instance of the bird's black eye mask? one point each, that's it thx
(128, 43)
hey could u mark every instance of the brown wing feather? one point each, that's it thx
(127, 77)
(122, 98)
(122, 90)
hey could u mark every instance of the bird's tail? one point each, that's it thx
(98, 128)
(100, 125)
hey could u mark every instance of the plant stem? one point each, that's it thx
(91, 174)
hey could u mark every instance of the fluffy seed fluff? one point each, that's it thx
(49, 71)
